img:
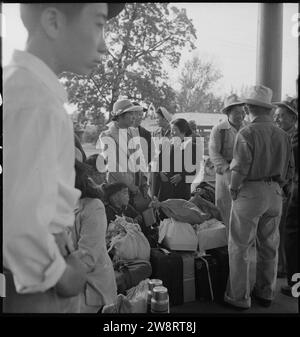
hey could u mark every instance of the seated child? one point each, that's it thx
(117, 197)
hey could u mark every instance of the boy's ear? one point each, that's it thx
(52, 20)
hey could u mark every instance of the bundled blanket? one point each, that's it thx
(127, 241)
(183, 211)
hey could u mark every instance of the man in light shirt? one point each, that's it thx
(39, 151)
(221, 142)
(261, 167)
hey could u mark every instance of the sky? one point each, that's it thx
(226, 34)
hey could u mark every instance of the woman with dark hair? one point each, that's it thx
(88, 236)
(161, 139)
(175, 184)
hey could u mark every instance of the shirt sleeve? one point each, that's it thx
(31, 191)
(242, 156)
(214, 148)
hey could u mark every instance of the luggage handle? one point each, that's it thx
(165, 251)
(209, 278)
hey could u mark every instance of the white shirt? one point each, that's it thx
(39, 175)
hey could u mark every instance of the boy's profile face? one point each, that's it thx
(122, 197)
(81, 40)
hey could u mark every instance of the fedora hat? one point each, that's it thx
(258, 95)
(114, 8)
(289, 103)
(165, 113)
(124, 105)
(231, 101)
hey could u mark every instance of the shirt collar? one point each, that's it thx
(263, 119)
(41, 70)
(226, 125)
(291, 131)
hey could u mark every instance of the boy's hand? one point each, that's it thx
(176, 179)
(163, 177)
(138, 219)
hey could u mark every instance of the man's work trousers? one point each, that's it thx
(291, 238)
(282, 233)
(255, 217)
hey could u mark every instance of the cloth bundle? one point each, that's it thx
(126, 241)
(206, 206)
(177, 235)
(183, 210)
(135, 302)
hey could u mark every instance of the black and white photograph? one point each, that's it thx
(149, 161)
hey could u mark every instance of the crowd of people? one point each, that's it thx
(58, 203)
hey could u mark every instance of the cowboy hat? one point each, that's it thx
(289, 104)
(258, 95)
(124, 105)
(165, 113)
(114, 8)
(231, 101)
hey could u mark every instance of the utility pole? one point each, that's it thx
(269, 47)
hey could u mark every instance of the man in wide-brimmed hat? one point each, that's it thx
(285, 117)
(262, 164)
(121, 130)
(41, 274)
(221, 143)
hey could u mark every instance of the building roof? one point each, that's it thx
(201, 118)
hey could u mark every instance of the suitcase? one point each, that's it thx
(221, 255)
(206, 287)
(168, 267)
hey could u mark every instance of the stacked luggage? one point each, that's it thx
(190, 258)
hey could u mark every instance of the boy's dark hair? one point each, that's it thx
(81, 179)
(30, 12)
(112, 189)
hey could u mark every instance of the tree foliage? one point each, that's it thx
(196, 80)
(139, 41)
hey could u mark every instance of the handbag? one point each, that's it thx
(131, 273)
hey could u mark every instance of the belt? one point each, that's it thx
(267, 180)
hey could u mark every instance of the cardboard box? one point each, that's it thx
(211, 234)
